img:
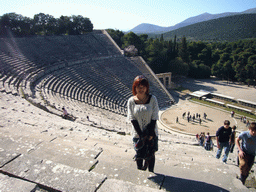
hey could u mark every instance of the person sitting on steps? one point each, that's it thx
(65, 113)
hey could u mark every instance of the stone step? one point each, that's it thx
(60, 152)
(7, 156)
(8, 184)
(53, 175)
(111, 185)
(189, 180)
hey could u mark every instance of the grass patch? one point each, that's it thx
(241, 113)
(180, 89)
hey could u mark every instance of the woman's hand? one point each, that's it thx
(150, 138)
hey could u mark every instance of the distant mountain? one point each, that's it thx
(229, 28)
(149, 28)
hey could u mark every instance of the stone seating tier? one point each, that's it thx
(90, 80)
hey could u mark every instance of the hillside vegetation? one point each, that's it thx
(235, 61)
(230, 28)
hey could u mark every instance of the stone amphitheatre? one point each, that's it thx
(90, 77)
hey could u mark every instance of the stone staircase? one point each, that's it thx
(43, 152)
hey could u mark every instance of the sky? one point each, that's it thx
(127, 14)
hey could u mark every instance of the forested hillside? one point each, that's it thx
(234, 61)
(150, 28)
(230, 28)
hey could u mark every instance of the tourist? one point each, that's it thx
(201, 139)
(183, 115)
(244, 119)
(208, 142)
(64, 113)
(197, 137)
(246, 151)
(177, 119)
(205, 115)
(223, 138)
(232, 139)
(247, 123)
(143, 113)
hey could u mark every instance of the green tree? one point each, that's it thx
(132, 39)
(240, 61)
(228, 71)
(215, 56)
(183, 52)
(44, 23)
(178, 67)
(63, 25)
(204, 71)
(175, 48)
(205, 56)
(116, 36)
(194, 49)
(251, 70)
(80, 25)
(162, 38)
(156, 56)
(193, 69)
(222, 67)
(15, 23)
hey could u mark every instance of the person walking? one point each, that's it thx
(232, 139)
(223, 140)
(205, 115)
(143, 113)
(201, 139)
(246, 151)
(208, 142)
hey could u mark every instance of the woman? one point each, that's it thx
(143, 113)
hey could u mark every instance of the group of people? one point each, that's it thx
(143, 113)
(245, 121)
(246, 144)
(205, 140)
(194, 117)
